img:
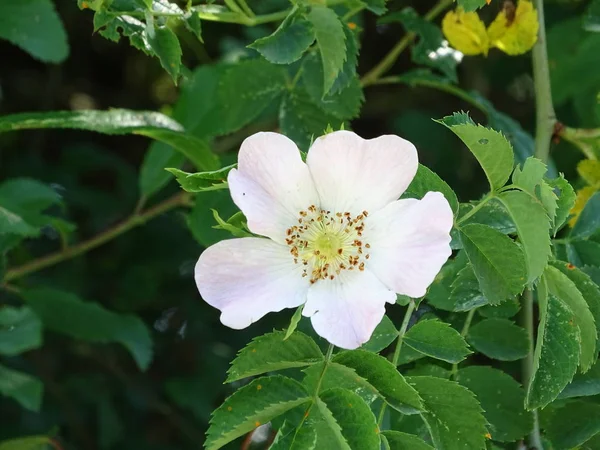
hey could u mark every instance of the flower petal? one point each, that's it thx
(354, 174)
(410, 242)
(271, 185)
(345, 311)
(248, 278)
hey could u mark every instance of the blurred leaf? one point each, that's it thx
(202, 181)
(591, 20)
(110, 426)
(191, 394)
(583, 384)
(492, 150)
(499, 339)
(382, 375)
(349, 420)
(165, 45)
(449, 430)
(471, 5)
(497, 261)
(438, 340)
(501, 398)
(573, 424)
(532, 226)
(385, 333)
(466, 32)
(270, 352)
(404, 441)
(66, 313)
(515, 30)
(289, 42)
(12, 224)
(251, 406)
(200, 220)
(153, 175)
(425, 181)
(27, 443)
(588, 222)
(561, 286)
(34, 26)
(20, 330)
(376, 6)
(556, 352)
(23, 388)
(331, 40)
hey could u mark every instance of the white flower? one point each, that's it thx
(339, 240)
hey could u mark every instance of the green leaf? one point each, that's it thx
(438, 340)
(153, 175)
(493, 152)
(403, 441)
(20, 330)
(533, 229)
(565, 202)
(531, 180)
(331, 39)
(194, 24)
(202, 181)
(561, 286)
(499, 339)
(295, 320)
(439, 293)
(501, 398)
(23, 388)
(573, 425)
(591, 20)
(289, 42)
(454, 417)
(255, 404)
(426, 181)
(492, 213)
(165, 45)
(430, 41)
(471, 5)
(498, 262)
(504, 310)
(66, 313)
(350, 420)
(34, 26)
(27, 443)
(348, 72)
(556, 352)
(466, 293)
(234, 225)
(339, 376)
(584, 384)
(10, 223)
(385, 333)
(270, 352)
(588, 222)
(288, 438)
(382, 375)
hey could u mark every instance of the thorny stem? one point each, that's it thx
(407, 315)
(545, 120)
(388, 61)
(135, 220)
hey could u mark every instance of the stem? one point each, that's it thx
(136, 219)
(545, 120)
(463, 333)
(407, 315)
(479, 205)
(388, 61)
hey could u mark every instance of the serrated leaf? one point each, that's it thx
(65, 313)
(588, 222)
(438, 340)
(561, 286)
(194, 24)
(471, 5)
(11, 223)
(397, 440)
(348, 72)
(20, 330)
(498, 263)
(251, 406)
(493, 214)
(426, 181)
(295, 320)
(466, 293)
(236, 224)
(499, 339)
(533, 228)
(202, 181)
(382, 375)
(439, 293)
(493, 152)
(288, 438)
(270, 352)
(573, 425)
(385, 333)
(165, 45)
(339, 376)
(583, 384)
(34, 26)
(332, 43)
(23, 388)
(350, 418)
(565, 202)
(289, 42)
(556, 352)
(501, 398)
(531, 180)
(26, 443)
(504, 310)
(449, 430)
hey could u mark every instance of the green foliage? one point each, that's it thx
(438, 340)
(202, 181)
(272, 352)
(24, 388)
(27, 443)
(20, 330)
(499, 339)
(382, 337)
(165, 45)
(404, 441)
(471, 5)
(588, 222)
(426, 181)
(584, 384)
(574, 424)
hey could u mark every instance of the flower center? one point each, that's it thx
(327, 243)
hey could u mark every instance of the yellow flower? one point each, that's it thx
(514, 31)
(466, 32)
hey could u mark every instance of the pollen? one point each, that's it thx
(326, 243)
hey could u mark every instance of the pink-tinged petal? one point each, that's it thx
(271, 185)
(354, 174)
(248, 278)
(410, 242)
(346, 310)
